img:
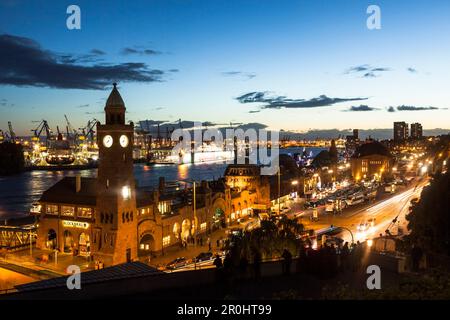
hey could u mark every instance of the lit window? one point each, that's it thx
(67, 211)
(84, 212)
(166, 241)
(126, 192)
(52, 209)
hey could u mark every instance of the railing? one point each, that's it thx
(6, 291)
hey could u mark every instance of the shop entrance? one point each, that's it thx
(84, 245)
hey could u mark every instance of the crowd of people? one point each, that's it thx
(324, 262)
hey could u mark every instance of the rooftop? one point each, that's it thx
(371, 148)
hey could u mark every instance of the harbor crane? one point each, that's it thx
(12, 134)
(89, 130)
(43, 125)
(70, 131)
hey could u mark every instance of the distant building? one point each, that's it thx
(400, 131)
(416, 131)
(371, 160)
(352, 142)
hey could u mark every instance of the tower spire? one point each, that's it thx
(115, 107)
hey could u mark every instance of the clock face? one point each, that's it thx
(123, 141)
(107, 141)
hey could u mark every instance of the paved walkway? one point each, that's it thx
(194, 250)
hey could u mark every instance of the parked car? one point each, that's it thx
(389, 188)
(204, 256)
(177, 263)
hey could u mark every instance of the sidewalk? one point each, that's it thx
(192, 250)
(23, 262)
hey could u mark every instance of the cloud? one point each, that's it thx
(412, 70)
(362, 107)
(413, 108)
(5, 103)
(139, 51)
(94, 112)
(410, 108)
(279, 102)
(247, 75)
(93, 56)
(83, 106)
(24, 63)
(367, 70)
(98, 52)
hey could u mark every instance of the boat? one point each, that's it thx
(59, 152)
(206, 153)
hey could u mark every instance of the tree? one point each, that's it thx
(429, 219)
(11, 158)
(322, 159)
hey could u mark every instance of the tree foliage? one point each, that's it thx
(429, 219)
(11, 158)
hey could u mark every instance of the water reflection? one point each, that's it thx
(18, 192)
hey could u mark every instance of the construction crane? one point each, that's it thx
(70, 131)
(89, 130)
(12, 135)
(43, 125)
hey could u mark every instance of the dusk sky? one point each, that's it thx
(295, 65)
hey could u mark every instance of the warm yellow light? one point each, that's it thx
(294, 183)
(126, 192)
(369, 243)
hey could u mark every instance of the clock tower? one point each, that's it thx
(115, 227)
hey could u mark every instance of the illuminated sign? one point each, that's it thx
(75, 224)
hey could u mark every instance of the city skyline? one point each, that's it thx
(298, 65)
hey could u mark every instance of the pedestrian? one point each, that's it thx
(286, 262)
(209, 244)
(228, 264)
(219, 268)
(345, 252)
(218, 262)
(256, 264)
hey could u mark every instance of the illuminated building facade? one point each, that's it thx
(370, 161)
(110, 219)
(401, 132)
(416, 131)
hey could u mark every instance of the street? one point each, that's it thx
(383, 212)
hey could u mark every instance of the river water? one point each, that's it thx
(18, 192)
